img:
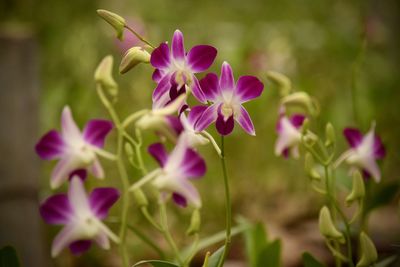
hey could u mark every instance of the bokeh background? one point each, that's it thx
(328, 48)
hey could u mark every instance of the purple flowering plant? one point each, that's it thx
(181, 128)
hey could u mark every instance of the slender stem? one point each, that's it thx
(147, 240)
(139, 36)
(194, 250)
(150, 219)
(228, 207)
(123, 174)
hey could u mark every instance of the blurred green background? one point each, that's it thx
(318, 44)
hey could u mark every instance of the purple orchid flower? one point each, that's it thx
(176, 67)
(193, 137)
(81, 216)
(76, 150)
(364, 151)
(182, 164)
(289, 135)
(227, 98)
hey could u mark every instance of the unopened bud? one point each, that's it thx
(195, 222)
(310, 167)
(301, 99)
(327, 227)
(128, 149)
(140, 197)
(116, 21)
(368, 251)
(132, 57)
(283, 82)
(329, 135)
(103, 75)
(305, 126)
(358, 190)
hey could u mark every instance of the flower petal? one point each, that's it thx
(178, 48)
(226, 80)
(96, 131)
(297, 120)
(160, 57)
(197, 91)
(80, 246)
(102, 240)
(101, 200)
(192, 165)
(175, 124)
(372, 168)
(50, 146)
(62, 171)
(78, 198)
(68, 235)
(179, 200)
(70, 130)
(248, 87)
(208, 117)
(157, 75)
(195, 114)
(224, 127)
(161, 90)
(354, 136)
(96, 169)
(56, 209)
(209, 86)
(245, 122)
(201, 57)
(189, 192)
(81, 173)
(379, 148)
(159, 153)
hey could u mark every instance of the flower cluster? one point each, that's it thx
(220, 100)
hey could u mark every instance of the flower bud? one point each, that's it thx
(368, 251)
(309, 167)
(358, 190)
(140, 197)
(301, 99)
(327, 228)
(128, 150)
(132, 57)
(329, 135)
(195, 222)
(305, 126)
(116, 21)
(103, 75)
(283, 82)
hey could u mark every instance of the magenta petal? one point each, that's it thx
(226, 80)
(224, 127)
(80, 246)
(160, 58)
(201, 57)
(354, 136)
(248, 87)
(379, 148)
(179, 200)
(178, 48)
(81, 173)
(193, 166)
(195, 113)
(297, 120)
(175, 124)
(209, 116)
(50, 146)
(197, 92)
(285, 153)
(209, 86)
(159, 153)
(157, 75)
(56, 209)
(101, 200)
(162, 88)
(245, 122)
(95, 132)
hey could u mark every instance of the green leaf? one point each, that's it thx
(8, 257)
(215, 257)
(270, 255)
(255, 240)
(382, 196)
(310, 261)
(386, 262)
(157, 263)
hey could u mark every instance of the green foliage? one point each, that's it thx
(310, 261)
(213, 260)
(8, 257)
(156, 263)
(270, 255)
(382, 196)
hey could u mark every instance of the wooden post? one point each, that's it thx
(20, 222)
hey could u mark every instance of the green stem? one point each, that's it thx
(139, 36)
(147, 240)
(228, 206)
(123, 174)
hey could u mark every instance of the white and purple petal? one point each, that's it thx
(244, 120)
(192, 165)
(248, 88)
(226, 80)
(197, 91)
(50, 146)
(209, 116)
(96, 131)
(68, 235)
(160, 57)
(210, 87)
(56, 209)
(159, 153)
(195, 114)
(62, 171)
(79, 247)
(69, 129)
(96, 169)
(224, 125)
(201, 57)
(177, 46)
(354, 136)
(101, 200)
(297, 120)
